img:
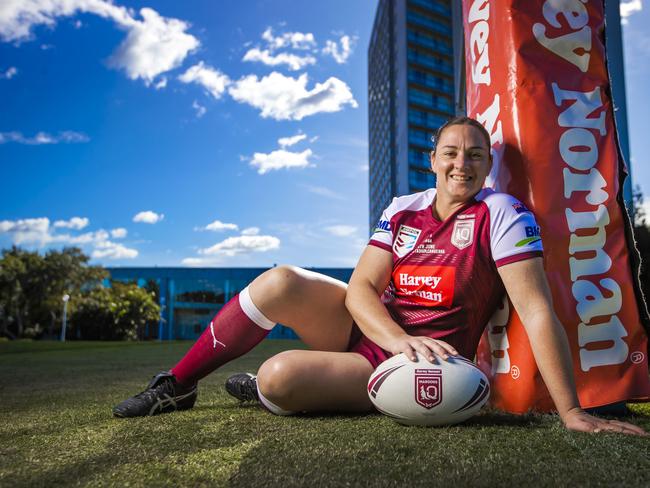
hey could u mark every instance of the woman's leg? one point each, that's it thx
(313, 305)
(315, 381)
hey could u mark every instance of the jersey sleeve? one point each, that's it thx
(514, 233)
(382, 234)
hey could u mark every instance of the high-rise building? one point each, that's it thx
(416, 81)
(410, 94)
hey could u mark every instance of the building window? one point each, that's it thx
(438, 7)
(425, 119)
(420, 180)
(430, 81)
(434, 62)
(421, 138)
(430, 100)
(429, 23)
(424, 40)
(419, 159)
(199, 291)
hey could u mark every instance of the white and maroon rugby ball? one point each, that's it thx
(425, 393)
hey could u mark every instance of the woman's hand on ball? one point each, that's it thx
(426, 346)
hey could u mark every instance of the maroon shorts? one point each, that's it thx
(368, 349)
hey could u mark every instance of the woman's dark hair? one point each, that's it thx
(461, 121)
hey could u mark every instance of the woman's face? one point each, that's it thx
(461, 163)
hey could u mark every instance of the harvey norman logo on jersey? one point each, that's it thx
(427, 285)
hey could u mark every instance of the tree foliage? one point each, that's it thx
(116, 313)
(32, 287)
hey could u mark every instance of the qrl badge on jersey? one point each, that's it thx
(463, 234)
(405, 240)
(428, 387)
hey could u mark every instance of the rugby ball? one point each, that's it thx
(424, 393)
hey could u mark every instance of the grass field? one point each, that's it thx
(56, 429)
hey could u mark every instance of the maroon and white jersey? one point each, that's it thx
(444, 282)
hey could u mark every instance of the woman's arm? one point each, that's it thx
(527, 287)
(369, 280)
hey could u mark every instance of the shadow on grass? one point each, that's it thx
(502, 419)
(184, 449)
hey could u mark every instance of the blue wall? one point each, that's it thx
(190, 297)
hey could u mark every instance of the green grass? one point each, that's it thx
(56, 429)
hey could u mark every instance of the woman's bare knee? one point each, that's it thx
(276, 284)
(277, 378)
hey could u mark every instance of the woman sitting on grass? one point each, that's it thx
(428, 282)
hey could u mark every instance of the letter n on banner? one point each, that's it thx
(537, 80)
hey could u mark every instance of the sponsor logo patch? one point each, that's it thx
(463, 234)
(428, 387)
(520, 208)
(427, 285)
(382, 226)
(405, 240)
(532, 235)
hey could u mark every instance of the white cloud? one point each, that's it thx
(148, 217)
(160, 84)
(198, 261)
(290, 141)
(119, 233)
(280, 159)
(250, 231)
(152, 46)
(293, 61)
(113, 250)
(285, 98)
(67, 136)
(200, 109)
(218, 226)
(341, 54)
(628, 8)
(38, 232)
(27, 231)
(242, 245)
(245, 244)
(76, 223)
(82, 239)
(9, 74)
(324, 192)
(211, 79)
(295, 40)
(341, 230)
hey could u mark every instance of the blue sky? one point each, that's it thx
(181, 134)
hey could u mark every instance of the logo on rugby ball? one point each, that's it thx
(463, 233)
(405, 240)
(428, 387)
